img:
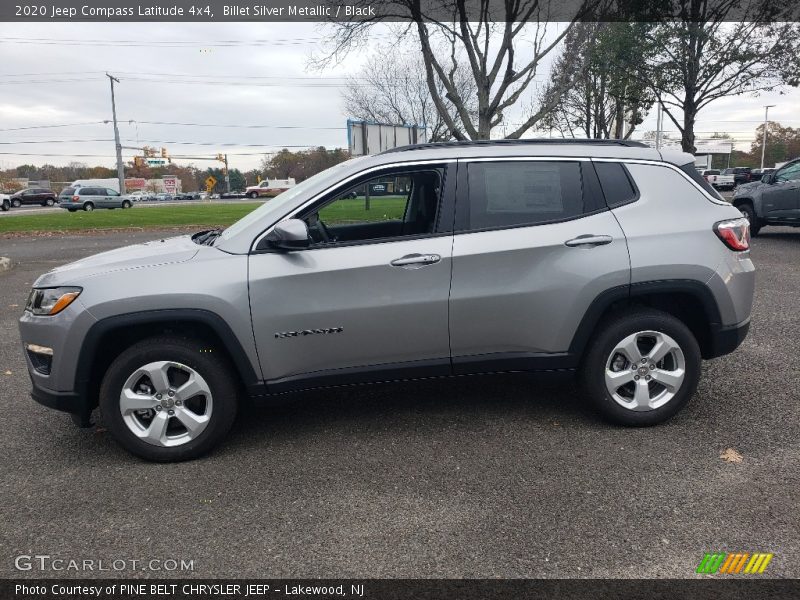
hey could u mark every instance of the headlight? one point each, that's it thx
(51, 301)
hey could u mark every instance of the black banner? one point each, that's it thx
(395, 10)
(390, 589)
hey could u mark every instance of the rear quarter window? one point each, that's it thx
(68, 191)
(616, 183)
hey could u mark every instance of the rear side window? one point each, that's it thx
(88, 192)
(517, 193)
(68, 191)
(617, 186)
(689, 169)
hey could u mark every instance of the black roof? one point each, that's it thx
(507, 142)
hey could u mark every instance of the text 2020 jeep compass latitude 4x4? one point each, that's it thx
(609, 258)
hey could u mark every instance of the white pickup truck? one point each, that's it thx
(718, 180)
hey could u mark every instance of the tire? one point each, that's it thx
(16, 203)
(657, 402)
(254, 195)
(126, 204)
(749, 212)
(88, 207)
(48, 202)
(5, 206)
(218, 407)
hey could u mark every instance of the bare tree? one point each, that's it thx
(718, 48)
(392, 88)
(489, 37)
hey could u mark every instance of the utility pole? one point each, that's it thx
(764, 137)
(227, 176)
(658, 126)
(120, 168)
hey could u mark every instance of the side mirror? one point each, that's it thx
(291, 234)
(769, 177)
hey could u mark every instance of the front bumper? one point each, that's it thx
(725, 340)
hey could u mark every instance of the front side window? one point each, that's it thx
(789, 173)
(518, 193)
(387, 206)
(110, 192)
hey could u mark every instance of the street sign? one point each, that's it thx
(211, 181)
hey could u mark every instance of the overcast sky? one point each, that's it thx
(211, 74)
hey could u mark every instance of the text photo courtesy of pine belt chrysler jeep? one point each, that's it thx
(607, 258)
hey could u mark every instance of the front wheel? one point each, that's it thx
(168, 399)
(642, 368)
(126, 204)
(49, 202)
(5, 206)
(16, 203)
(749, 213)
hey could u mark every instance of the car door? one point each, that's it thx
(534, 244)
(368, 299)
(112, 198)
(781, 197)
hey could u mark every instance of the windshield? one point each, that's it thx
(277, 204)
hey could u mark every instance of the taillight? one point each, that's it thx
(76, 198)
(734, 233)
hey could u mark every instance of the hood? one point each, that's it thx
(744, 187)
(147, 254)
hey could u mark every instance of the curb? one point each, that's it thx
(5, 264)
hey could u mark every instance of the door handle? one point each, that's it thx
(416, 260)
(589, 240)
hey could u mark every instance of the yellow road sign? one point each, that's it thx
(211, 181)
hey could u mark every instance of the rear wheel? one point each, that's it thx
(88, 207)
(642, 368)
(165, 400)
(5, 205)
(253, 195)
(749, 213)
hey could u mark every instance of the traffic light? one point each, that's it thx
(163, 153)
(220, 158)
(138, 161)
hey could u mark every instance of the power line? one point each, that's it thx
(236, 126)
(57, 141)
(52, 126)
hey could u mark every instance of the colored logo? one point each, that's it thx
(734, 563)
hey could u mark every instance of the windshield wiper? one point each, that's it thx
(206, 238)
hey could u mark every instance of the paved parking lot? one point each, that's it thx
(496, 476)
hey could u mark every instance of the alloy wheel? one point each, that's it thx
(166, 403)
(645, 371)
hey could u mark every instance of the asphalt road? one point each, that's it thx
(36, 209)
(496, 476)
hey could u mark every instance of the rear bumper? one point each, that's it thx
(725, 340)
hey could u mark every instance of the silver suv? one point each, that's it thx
(607, 258)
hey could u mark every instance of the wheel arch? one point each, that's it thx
(688, 300)
(110, 336)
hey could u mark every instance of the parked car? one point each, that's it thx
(138, 195)
(775, 200)
(5, 201)
(90, 198)
(234, 194)
(740, 174)
(619, 262)
(757, 174)
(41, 196)
(163, 197)
(716, 179)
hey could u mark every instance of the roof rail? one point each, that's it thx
(507, 142)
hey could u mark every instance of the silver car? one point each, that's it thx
(90, 198)
(607, 259)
